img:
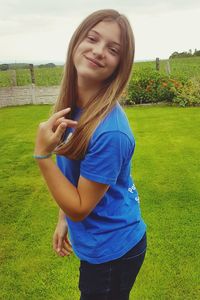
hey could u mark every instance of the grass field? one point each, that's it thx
(181, 68)
(166, 172)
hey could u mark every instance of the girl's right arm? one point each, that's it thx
(61, 243)
(61, 215)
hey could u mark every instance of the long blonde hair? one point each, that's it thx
(100, 105)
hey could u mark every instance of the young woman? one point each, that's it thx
(91, 180)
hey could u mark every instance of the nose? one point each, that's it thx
(98, 50)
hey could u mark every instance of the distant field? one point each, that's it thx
(181, 68)
(43, 77)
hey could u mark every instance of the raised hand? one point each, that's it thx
(50, 132)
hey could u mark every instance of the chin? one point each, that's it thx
(88, 75)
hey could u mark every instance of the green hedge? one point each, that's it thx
(153, 87)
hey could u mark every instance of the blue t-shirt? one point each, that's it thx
(115, 225)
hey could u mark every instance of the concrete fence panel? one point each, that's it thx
(31, 94)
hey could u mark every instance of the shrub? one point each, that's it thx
(152, 87)
(189, 95)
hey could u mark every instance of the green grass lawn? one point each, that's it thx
(166, 169)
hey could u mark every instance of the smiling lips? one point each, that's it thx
(94, 61)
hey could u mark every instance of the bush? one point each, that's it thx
(4, 67)
(152, 87)
(189, 95)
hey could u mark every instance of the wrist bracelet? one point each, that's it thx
(42, 156)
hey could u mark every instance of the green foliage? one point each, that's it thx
(15, 66)
(185, 54)
(152, 87)
(48, 76)
(5, 79)
(181, 54)
(43, 76)
(23, 77)
(185, 68)
(189, 94)
(49, 65)
(4, 67)
(197, 52)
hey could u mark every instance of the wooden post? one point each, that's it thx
(32, 73)
(167, 68)
(13, 78)
(32, 93)
(157, 64)
(33, 83)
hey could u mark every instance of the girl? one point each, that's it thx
(91, 180)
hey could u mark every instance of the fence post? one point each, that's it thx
(32, 73)
(13, 81)
(157, 64)
(32, 83)
(167, 68)
(13, 77)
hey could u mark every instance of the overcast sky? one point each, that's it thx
(39, 30)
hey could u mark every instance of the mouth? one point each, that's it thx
(94, 62)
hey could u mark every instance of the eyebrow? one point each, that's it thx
(100, 35)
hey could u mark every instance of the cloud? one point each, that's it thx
(10, 8)
(42, 28)
(20, 16)
(15, 8)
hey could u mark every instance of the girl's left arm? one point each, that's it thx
(76, 202)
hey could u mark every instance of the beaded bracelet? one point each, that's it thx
(42, 156)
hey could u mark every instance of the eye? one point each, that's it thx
(114, 50)
(91, 38)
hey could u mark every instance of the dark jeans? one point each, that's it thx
(112, 280)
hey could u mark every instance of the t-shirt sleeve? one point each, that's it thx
(105, 157)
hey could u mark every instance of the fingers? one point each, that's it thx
(67, 247)
(60, 131)
(68, 243)
(61, 128)
(58, 122)
(64, 250)
(58, 115)
(59, 245)
(62, 246)
(69, 123)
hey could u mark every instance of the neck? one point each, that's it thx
(86, 90)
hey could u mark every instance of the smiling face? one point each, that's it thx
(98, 55)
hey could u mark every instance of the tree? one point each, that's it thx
(196, 52)
(4, 67)
(176, 54)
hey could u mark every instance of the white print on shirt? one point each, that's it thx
(137, 199)
(131, 190)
